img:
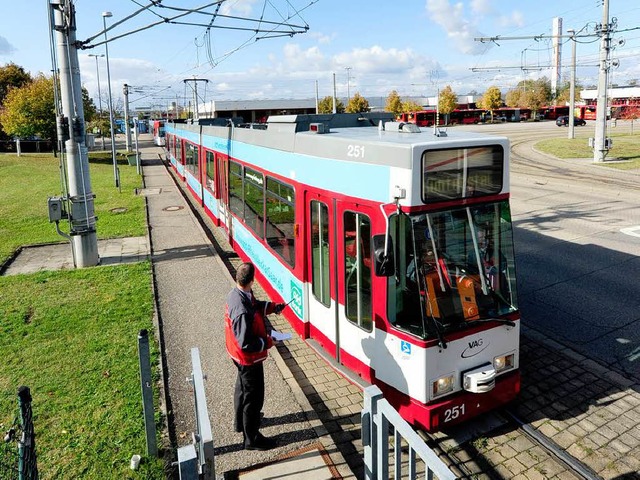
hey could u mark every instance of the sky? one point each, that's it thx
(372, 46)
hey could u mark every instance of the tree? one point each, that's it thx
(447, 100)
(394, 103)
(512, 98)
(411, 106)
(326, 105)
(88, 106)
(564, 93)
(491, 100)
(357, 104)
(12, 76)
(29, 110)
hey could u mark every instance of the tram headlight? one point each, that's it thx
(443, 385)
(503, 362)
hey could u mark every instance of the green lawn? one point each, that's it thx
(71, 336)
(27, 181)
(625, 147)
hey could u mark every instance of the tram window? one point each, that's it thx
(461, 172)
(280, 219)
(191, 160)
(210, 169)
(357, 246)
(254, 200)
(320, 252)
(179, 151)
(236, 204)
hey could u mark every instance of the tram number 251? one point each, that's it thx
(355, 151)
(453, 413)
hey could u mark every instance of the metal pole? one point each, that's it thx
(135, 136)
(125, 91)
(600, 148)
(317, 102)
(84, 242)
(147, 392)
(335, 102)
(348, 69)
(572, 85)
(99, 95)
(116, 174)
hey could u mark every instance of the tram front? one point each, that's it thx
(451, 287)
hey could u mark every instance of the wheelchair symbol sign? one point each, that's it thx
(405, 347)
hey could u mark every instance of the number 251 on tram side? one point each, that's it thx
(394, 245)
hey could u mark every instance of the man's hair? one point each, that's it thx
(245, 274)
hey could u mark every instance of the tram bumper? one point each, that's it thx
(465, 405)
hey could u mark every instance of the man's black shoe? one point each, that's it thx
(261, 443)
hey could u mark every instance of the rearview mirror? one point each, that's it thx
(384, 264)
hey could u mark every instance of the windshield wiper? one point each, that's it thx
(503, 321)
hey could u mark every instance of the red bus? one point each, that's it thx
(460, 116)
(585, 112)
(552, 113)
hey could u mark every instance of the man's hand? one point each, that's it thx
(279, 308)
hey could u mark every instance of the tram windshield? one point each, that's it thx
(453, 268)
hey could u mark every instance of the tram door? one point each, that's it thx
(340, 308)
(321, 252)
(222, 190)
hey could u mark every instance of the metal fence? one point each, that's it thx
(379, 462)
(18, 449)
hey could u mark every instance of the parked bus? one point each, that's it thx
(407, 278)
(427, 118)
(158, 129)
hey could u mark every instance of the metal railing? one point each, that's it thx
(195, 461)
(377, 416)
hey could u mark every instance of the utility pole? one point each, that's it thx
(96, 56)
(335, 101)
(348, 69)
(71, 130)
(317, 101)
(572, 85)
(125, 91)
(195, 93)
(601, 143)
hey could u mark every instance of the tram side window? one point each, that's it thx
(357, 246)
(210, 169)
(254, 200)
(320, 252)
(191, 154)
(179, 150)
(280, 219)
(236, 203)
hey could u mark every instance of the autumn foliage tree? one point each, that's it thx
(447, 100)
(394, 103)
(357, 104)
(326, 105)
(491, 100)
(29, 110)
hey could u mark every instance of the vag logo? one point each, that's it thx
(474, 347)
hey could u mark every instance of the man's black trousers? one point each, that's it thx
(248, 400)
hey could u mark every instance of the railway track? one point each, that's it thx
(486, 455)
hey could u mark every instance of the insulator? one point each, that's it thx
(78, 130)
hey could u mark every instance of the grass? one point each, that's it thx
(71, 336)
(27, 181)
(625, 147)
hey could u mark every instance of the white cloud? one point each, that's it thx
(460, 31)
(238, 7)
(481, 7)
(5, 47)
(514, 19)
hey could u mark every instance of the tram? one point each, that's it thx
(157, 129)
(393, 245)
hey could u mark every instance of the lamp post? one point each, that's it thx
(113, 136)
(99, 94)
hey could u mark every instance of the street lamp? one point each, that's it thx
(99, 94)
(113, 136)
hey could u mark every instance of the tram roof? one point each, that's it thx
(294, 133)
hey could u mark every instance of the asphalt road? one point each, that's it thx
(577, 233)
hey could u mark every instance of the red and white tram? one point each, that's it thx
(395, 247)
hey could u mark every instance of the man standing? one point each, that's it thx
(248, 344)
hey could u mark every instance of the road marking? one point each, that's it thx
(633, 231)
